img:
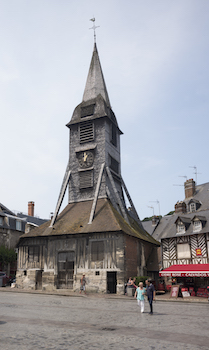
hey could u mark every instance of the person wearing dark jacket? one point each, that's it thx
(150, 291)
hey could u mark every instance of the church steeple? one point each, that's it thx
(94, 167)
(95, 83)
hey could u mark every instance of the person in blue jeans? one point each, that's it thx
(139, 295)
(150, 291)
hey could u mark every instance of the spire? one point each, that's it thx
(95, 83)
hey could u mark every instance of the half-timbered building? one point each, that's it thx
(184, 236)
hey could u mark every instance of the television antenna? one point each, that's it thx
(152, 209)
(157, 201)
(195, 172)
(183, 176)
(180, 176)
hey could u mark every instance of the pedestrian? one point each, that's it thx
(139, 295)
(150, 291)
(133, 282)
(83, 284)
(128, 285)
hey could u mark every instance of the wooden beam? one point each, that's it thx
(112, 199)
(130, 201)
(61, 196)
(121, 205)
(96, 194)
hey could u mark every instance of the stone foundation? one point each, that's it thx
(26, 280)
(49, 281)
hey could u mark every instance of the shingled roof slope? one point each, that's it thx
(95, 83)
(75, 217)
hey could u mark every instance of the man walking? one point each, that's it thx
(150, 294)
(83, 284)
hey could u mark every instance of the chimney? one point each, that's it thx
(31, 208)
(189, 187)
(155, 220)
(180, 207)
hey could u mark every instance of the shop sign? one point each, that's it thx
(185, 294)
(198, 251)
(186, 274)
(174, 291)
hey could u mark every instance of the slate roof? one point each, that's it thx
(149, 227)
(75, 217)
(31, 219)
(95, 83)
(201, 195)
(5, 210)
(167, 225)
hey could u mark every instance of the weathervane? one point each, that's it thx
(94, 28)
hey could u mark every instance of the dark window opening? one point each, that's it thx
(97, 273)
(114, 165)
(114, 135)
(87, 111)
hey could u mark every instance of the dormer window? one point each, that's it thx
(182, 224)
(18, 225)
(192, 207)
(198, 223)
(180, 228)
(197, 226)
(87, 111)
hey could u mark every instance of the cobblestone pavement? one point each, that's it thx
(38, 321)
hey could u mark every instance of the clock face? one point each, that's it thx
(86, 159)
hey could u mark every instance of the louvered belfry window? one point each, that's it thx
(114, 135)
(86, 131)
(86, 179)
(114, 165)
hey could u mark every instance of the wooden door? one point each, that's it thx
(65, 269)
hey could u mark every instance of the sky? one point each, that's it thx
(155, 60)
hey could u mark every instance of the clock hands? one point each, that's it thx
(85, 156)
(86, 159)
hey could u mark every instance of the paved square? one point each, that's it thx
(37, 321)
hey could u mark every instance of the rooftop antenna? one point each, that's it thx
(94, 28)
(195, 172)
(152, 209)
(183, 176)
(157, 201)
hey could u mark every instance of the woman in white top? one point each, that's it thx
(139, 295)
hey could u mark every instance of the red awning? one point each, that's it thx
(191, 270)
